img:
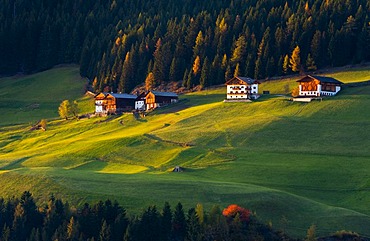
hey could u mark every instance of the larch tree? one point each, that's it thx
(295, 60)
(196, 66)
(286, 64)
(240, 50)
(149, 81)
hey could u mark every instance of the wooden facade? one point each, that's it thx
(315, 86)
(155, 99)
(113, 103)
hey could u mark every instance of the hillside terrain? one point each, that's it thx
(295, 164)
(119, 43)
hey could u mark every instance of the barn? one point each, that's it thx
(114, 103)
(155, 99)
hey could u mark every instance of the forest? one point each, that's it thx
(120, 44)
(22, 219)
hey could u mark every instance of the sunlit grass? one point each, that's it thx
(306, 162)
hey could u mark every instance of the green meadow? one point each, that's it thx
(294, 164)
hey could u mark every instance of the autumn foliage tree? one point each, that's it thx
(234, 210)
(295, 60)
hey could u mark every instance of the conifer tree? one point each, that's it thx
(149, 82)
(179, 223)
(196, 66)
(310, 63)
(166, 222)
(237, 70)
(204, 77)
(239, 51)
(228, 73)
(295, 60)
(311, 233)
(286, 64)
(72, 230)
(105, 232)
(193, 226)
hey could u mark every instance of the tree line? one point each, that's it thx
(120, 44)
(22, 219)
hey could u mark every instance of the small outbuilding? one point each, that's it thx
(178, 169)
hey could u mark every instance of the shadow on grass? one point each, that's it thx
(14, 164)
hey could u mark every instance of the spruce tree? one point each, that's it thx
(310, 63)
(179, 224)
(204, 77)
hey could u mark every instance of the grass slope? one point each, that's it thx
(302, 163)
(31, 98)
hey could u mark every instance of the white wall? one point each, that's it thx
(139, 105)
(98, 106)
(236, 94)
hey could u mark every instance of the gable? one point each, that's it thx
(237, 80)
(100, 96)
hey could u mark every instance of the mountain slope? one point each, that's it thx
(293, 163)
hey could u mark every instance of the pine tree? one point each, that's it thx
(295, 60)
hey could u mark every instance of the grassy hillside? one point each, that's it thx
(293, 163)
(31, 98)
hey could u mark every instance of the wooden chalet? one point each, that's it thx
(113, 103)
(316, 86)
(155, 99)
(242, 88)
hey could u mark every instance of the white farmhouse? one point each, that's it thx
(242, 88)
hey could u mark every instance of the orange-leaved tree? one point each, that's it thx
(233, 210)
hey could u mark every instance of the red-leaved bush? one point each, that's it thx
(232, 210)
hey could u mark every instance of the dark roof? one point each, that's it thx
(322, 79)
(247, 80)
(166, 94)
(121, 96)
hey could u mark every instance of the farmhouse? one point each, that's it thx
(155, 99)
(242, 88)
(315, 86)
(113, 103)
